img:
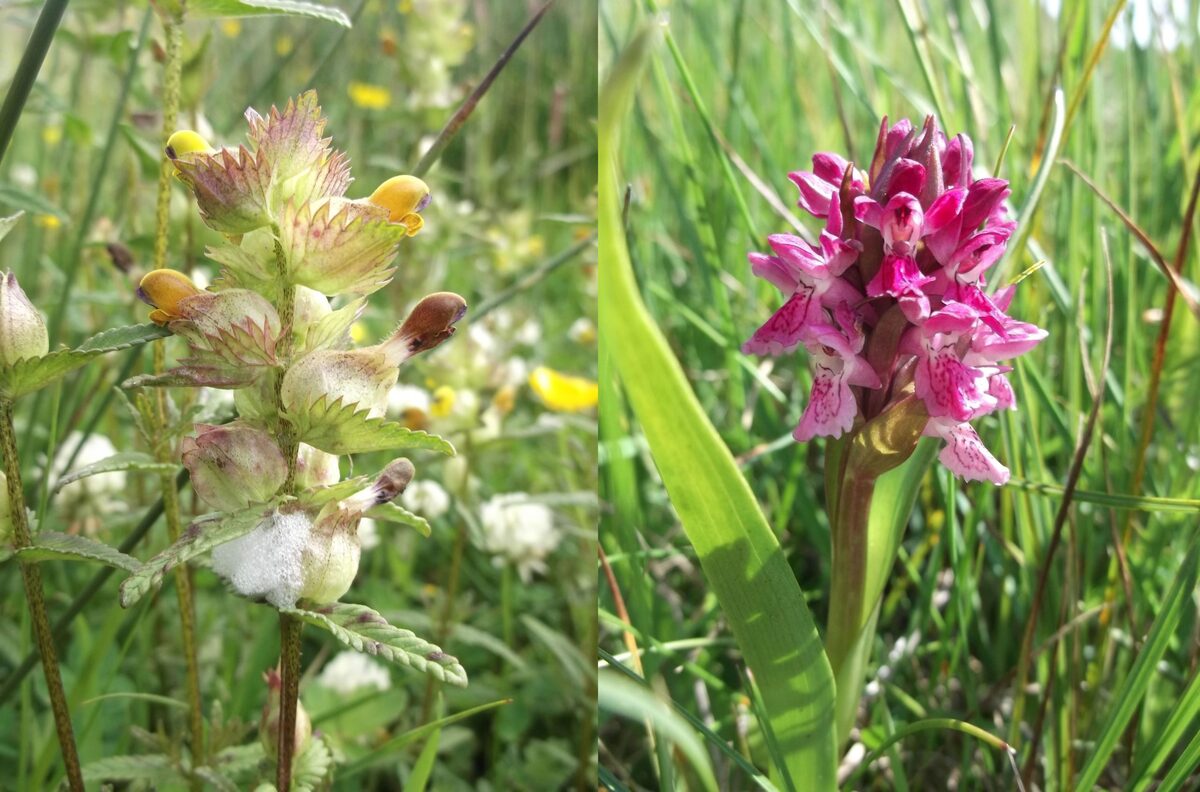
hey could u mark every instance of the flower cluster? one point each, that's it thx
(269, 331)
(891, 303)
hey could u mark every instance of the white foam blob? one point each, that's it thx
(266, 562)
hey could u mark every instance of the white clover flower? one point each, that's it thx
(582, 331)
(529, 333)
(368, 533)
(351, 671)
(402, 398)
(520, 532)
(426, 498)
(104, 490)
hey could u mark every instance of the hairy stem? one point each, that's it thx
(172, 68)
(289, 626)
(32, 575)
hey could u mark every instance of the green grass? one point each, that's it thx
(512, 192)
(779, 81)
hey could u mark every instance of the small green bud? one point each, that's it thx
(22, 331)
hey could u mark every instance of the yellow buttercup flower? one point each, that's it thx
(52, 135)
(232, 28)
(368, 96)
(562, 392)
(358, 332)
(443, 402)
(47, 221)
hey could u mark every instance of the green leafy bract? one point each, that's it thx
(51, 545)
(390, 512)
(30, 374)
(364, 630)
(244, 8)
(127, 461)
(340, 428)
(201, 536)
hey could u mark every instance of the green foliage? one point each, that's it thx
(348, 429)
(51, 545)
(364, 630)
(31, 374)
(246, 8)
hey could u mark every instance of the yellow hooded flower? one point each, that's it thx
(563, 393)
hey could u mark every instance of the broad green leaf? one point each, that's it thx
(7, 223)
(126, 461)
(632, 701)
(245, 8)
(364, 630)
(26, 376)
(155, 768)
(1128, 697)
(741, 558)
(339, 428)
(53, 546)
(201, 536)
(390, 512)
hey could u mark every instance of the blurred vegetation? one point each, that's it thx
(784, 79)
(509, 229)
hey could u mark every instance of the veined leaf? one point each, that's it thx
(741, 557)
(148, 767)
(200, 537)
(340, 428)
(390, 512)
(245, 8)
(364, 630)
(51, 545)
(26, 376)
(130, 460)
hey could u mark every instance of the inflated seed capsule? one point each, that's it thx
(404, 197)
(164, 289)
(185, 141)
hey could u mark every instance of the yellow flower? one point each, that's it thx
(52, 135)
(165, 289)
(368, 96)
(358, 332)
(443, 402)
(47, 221)
(405, 6)
(563, 393)
(505, 399)
(284, 45)
(231, 27)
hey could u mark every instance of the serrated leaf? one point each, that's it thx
(364, 630)
(127, 461)
(390, 512)
(147, 767)
(200, 537)
(51, 545)
(243, 8)
(7, 223)
(26, 376)
(339, 428)
(312, 765)
(319, 496)
(239, 758)
(331, 331)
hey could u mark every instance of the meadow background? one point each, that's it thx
(753, 90)
(510, 593)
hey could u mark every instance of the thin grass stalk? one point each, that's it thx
(464, 111)
(32, 575)
(172, 68)
(27, 70)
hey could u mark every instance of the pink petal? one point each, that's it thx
(831, 407)
(815, 193)
(902, 220)
(906, 176)
(784, 330)
(946, 209)
(965, 454)
(897, 276)
(798, 254)
(774, 271)
(983, 198)
(956, 161)
(951, 388)
(896, 137)
(978, 252)
(829, 167)
(1001, 389)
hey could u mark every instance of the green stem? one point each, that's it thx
(172, 69)
(850, 629)
(27, 70)
(289, 627)
(32, 576)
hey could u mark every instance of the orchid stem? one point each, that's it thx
(32, 576)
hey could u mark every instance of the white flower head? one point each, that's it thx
(368, 534)
(351, 671)
(426, 498)
(104, 490)
(519, 531)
